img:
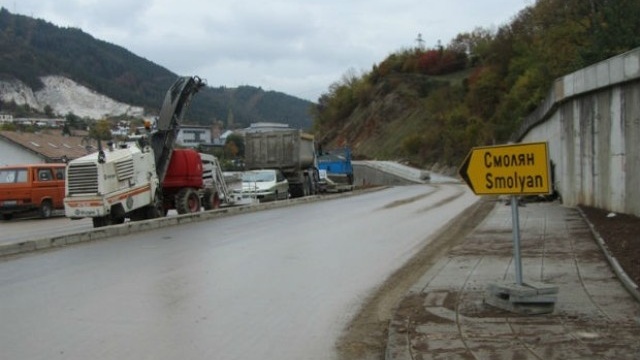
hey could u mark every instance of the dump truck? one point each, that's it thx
(277, 146)
(126, 181)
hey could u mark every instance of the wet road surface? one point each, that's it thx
(30, 227)
(277, 284)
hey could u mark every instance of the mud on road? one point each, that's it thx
(366, 336)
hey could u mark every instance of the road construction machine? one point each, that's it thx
(194, 181)
(126, 180)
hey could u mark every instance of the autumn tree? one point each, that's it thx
(509, 71)
(234, 146)
(231, 150)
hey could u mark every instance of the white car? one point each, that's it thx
(263, 185)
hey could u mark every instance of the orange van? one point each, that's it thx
(31, 187)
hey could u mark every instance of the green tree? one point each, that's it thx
(66, 129)
(22, 111)
(73, 121)
(612, 27)
(8, 127)
(48, 111)
(100, 130)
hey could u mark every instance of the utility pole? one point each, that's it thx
(420, 42)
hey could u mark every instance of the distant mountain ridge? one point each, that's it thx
(33, 49)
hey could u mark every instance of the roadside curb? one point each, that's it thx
(132, 227)
(629, 284)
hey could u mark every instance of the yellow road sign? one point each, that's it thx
(518, 169)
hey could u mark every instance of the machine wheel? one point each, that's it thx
(118, 220)
(187, 201)
(156, 209)
(7, 216)
(137, 214)
(210, 200)
(117, 215)
(46, 209)
(296, 190)
(101, 221)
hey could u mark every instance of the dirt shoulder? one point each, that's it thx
(621, 233)
(366, 336)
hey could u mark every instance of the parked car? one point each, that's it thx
(263, 185)
(31, 187)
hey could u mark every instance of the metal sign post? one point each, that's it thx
(515, 219)
(514, 170)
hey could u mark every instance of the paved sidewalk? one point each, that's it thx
(443, 316)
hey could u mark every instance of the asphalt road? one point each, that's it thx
(276, 284)
(32, 227)
(26, 227)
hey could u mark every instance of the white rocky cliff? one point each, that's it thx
(66, 96)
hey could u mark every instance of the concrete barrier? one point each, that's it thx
(367, 173)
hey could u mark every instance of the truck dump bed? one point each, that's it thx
(289, 150)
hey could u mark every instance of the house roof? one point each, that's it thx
(51, 145)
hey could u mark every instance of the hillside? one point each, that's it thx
(31, 49)
(62, 96)
(430, 106)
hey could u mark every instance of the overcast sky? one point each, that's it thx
(299, 47)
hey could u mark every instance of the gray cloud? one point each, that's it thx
(298, 47)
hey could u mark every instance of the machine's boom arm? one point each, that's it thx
(173, 108)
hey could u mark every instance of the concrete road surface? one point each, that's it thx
(276, 284)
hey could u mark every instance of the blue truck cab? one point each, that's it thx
(337, 165)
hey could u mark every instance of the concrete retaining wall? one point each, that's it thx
(365, 175)
(591, 120)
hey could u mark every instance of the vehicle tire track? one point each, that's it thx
(443, 202)
(410, 200)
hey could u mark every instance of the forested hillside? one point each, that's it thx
(31, 48)
(431, 105)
